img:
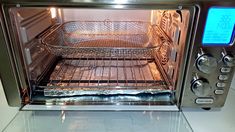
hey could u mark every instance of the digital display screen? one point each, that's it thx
(219, 28)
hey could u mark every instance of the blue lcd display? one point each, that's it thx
(219, 29)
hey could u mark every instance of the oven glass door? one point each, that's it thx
(98, 121)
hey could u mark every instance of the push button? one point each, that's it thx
(225, 69)
(219, 91)
(204, 101)
(223, 77)
(220, 85)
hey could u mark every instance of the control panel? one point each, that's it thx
(212, 61)
(212, 76)
(211, 73)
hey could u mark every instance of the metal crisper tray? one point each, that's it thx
(104, 58)
(107, 37)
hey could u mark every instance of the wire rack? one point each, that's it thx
(102, 38)
(104, 76)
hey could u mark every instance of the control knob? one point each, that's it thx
(201, 87)
(229, 60)
(206, 63)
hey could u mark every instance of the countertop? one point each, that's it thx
(6, 112)
(214, 120)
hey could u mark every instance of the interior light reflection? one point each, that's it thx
(53, 12)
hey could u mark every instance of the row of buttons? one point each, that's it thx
(224, 70)
(222, 78)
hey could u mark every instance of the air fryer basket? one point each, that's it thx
(102, 38)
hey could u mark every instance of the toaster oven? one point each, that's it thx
(117, 55)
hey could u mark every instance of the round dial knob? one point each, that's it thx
(229, 60)
(206, 63)
(201, 87)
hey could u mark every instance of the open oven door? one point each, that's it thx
(98, 121)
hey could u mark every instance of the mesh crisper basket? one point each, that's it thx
(104, 38)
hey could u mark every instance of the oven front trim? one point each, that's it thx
(103, 107)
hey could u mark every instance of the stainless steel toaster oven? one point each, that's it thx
(116, 54)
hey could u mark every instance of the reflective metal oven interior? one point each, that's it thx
(100, 56)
